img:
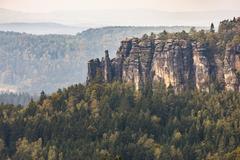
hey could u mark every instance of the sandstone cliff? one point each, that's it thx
(178, 63)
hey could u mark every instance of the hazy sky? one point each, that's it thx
(164, 5)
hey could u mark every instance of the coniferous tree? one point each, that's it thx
(212, 29)
(43, 96)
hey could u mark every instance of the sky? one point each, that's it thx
(76, 5)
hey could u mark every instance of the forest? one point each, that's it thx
(111, 121)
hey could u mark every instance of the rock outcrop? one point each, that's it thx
(201, 67)
(181, 64)
(231, 67)
(173, 64)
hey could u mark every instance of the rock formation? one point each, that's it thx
(178, 63)
(173, 63)
(231, 67)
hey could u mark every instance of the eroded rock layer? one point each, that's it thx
(181, 64)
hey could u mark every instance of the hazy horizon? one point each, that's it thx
(37, 6)
(119, 17)
(123, 9)
(95, 13)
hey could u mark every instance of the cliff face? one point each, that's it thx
(231, 67)
(173, 64)
(181, 64)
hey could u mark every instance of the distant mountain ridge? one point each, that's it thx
(41, 28)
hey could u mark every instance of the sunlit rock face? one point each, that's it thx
(231, 67)
(201, 67)
(177, 63)
(173, 64)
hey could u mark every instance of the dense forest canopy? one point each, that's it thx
(111, 121)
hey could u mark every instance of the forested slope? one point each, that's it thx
(111, 121)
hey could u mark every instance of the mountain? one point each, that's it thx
(41, 28)
(32, 63)
(198, 60)
(137, 17)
